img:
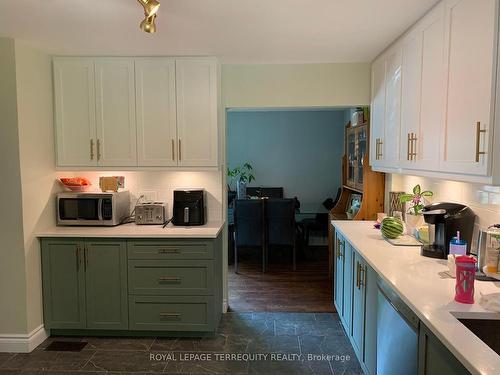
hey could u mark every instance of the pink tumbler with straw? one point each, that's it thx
(466, 271)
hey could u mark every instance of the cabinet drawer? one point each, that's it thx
(176, 277)
(185, 313)
(170, 249)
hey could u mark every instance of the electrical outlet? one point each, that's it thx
(149, 195)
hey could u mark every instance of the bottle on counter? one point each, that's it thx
(465, 273)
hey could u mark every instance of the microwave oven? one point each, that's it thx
(92, 208)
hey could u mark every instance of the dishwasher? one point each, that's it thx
(397, 334)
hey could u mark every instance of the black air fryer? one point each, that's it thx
(189, 207)
(444, 220)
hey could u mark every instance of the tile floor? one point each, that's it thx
(296, 335)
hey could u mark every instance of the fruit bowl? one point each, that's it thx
(77, 184)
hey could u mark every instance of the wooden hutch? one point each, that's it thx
(362, 188)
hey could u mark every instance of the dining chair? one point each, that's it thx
(249, 228)
(281, 226)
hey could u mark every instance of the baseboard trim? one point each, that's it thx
(20, 343)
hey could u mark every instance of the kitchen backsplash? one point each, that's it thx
(159, 185)
(484, 200)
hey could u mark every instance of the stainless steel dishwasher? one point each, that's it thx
(397, 334)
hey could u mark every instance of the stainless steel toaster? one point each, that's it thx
(150, 213)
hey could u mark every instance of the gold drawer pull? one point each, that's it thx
(478, 141)
(169, 278)
(168, 251)
(170, 315)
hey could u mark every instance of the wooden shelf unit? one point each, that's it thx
(369, 184)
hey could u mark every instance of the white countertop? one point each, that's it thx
(209, 230)
(417, 281)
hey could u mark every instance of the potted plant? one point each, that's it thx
(242, 175)
(415, 203)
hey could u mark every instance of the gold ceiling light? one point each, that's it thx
(150, 9)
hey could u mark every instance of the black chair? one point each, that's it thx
(281, 226)
(249, 227)
(265, 192)
(271, 192)
(320, 222)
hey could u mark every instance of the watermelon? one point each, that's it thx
(391, 227)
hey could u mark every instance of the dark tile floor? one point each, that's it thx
(274, 343)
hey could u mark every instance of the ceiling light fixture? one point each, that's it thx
(150, 9)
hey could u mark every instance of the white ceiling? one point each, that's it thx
(237, 31)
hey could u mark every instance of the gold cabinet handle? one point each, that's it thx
(169, 278)
(361, 276)
(168, 251)
(413, 147)
(378, 149)
(180, 151)
(478, 141)
(380, 143)
(91, 149)
(357, 274)
(173, 150)
(170, 315)
(98, 149)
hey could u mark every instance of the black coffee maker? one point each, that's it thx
(189, 207)
(445, 220)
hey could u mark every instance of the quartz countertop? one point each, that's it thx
(131, 230)
(418, 282)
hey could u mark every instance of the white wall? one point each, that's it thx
(296, 85)
(482, 199)
(162, 183)
(13, 309)
(35, 123)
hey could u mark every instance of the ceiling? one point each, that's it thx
(237, 31)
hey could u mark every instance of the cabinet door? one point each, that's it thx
(434, 358)
(197, 105)
(390, 142)
(348, 287)
(427, 142)
(370, 343)
(63, 284)
(156, 112)
(410, 94)
(74, 98)
(377, 112)
(470, 36)
(115, 108)
(358, 306)
(106, 284)
(338, 261)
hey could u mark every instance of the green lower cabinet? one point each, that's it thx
(85, 284)
(173, 313)
(434, 358)
(358, 307)
(63, 278)
(106, 284)
(370, 344)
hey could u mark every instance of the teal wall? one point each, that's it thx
(300, 150)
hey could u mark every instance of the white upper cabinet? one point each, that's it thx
(115, 110)
(197, 104)
(136, 112)
(377, 112)
(156, 112)
(422, 107)
(390, 145)
(471, 35)
(74, 112)
(440, 90)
